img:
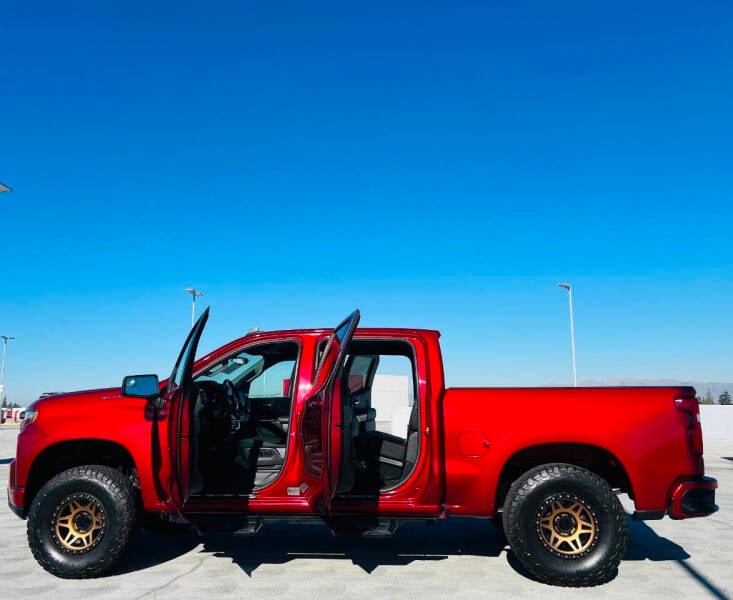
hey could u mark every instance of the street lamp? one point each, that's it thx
(6, 339)
(193, 293)
(569, 288)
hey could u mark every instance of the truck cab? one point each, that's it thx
(324, 422)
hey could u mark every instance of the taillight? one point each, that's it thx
(690, 407)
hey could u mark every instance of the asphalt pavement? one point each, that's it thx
(457, 558)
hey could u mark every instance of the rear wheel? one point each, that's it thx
(565, 525)
(81, 521)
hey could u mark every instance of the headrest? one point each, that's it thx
(356, 383)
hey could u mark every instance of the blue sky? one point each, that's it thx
(438, 165)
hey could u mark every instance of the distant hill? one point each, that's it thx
(716, 387)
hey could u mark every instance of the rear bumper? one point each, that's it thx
(693, 498)
(16, 495)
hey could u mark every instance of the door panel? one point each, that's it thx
(270, 409)
(177, 400)
(311, 433)
(322, 415)
(422, 492)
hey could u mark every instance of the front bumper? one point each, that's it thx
(693, 498)
(16, 495)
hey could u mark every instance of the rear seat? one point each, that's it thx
(390, 455)
(395, 456)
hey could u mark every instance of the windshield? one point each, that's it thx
(234, 368)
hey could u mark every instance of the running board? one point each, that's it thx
(227, 524)
(363, 527)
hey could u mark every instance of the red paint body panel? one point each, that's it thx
(466, 438)
(91, 415)
(639, 426)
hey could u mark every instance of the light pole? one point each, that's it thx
(193, 293)
(4, 188)
(6, 339)
(569, 288)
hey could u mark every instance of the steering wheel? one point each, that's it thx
(236, 401)
(232, 397)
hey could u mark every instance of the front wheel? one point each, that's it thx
(565, 525)
(81, 521)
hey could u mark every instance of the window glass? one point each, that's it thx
(337, 337)
(383, 397)
(341, 331)
(180, 368)
(393, 394)
(261, 371)
(274, 382)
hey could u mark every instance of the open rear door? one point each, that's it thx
(177, 398)
(322, 426)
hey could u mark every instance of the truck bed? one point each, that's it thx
(638, 431)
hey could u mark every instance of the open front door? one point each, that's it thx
(177, 399)
(322, 425)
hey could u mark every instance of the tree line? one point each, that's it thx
(708, 398)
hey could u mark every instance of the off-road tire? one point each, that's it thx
(81, 521)
(537, 523)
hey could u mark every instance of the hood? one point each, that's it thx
(76, 397)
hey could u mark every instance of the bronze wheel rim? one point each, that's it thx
(567, 526)
(78, 523)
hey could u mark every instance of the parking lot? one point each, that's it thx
(458, 558)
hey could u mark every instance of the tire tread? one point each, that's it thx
(122, 493)
(518, 494)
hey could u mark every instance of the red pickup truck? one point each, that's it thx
(353, 426)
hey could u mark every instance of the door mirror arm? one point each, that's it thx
(156, 403)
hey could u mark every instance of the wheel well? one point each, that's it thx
(65, 455)
(594, 459)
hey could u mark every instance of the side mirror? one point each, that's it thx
(141, 386)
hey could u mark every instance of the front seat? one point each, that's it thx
(259, 446)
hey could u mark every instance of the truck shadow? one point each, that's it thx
(643, 544)
(150, 550)
(647, 544)
(278, 544)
